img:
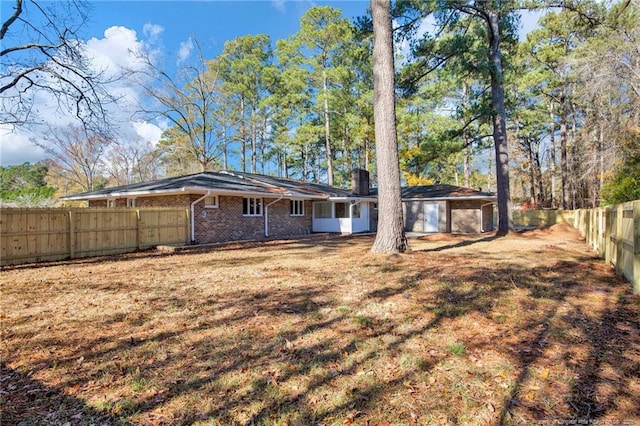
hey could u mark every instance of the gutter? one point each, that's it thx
(266, 215)
(193, 220)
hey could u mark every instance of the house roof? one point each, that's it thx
(250, 184)
(229, 183)
(441, 191)
(301, 187)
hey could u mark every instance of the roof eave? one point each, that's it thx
(187, 190)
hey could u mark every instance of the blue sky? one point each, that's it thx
(118, 29)
(213, 22)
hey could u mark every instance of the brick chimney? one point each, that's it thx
(360, 182)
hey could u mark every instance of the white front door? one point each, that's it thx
(431, 213)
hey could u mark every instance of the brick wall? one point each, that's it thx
(226, 222)
(184, 200)
(282, 224)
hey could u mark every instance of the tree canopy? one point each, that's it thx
(547, 120)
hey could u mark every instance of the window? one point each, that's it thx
(342, 210)
(252, 206)
(296, 208)
(211, 202)
(322, 210)
(131, 202)
(111, 203)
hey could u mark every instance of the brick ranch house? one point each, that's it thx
(233, 206)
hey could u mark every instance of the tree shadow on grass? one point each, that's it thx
(605, 375)
(26, 401)
(291, 380)
(464, 243)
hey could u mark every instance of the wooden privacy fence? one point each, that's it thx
(35, 235)
(613, 231)
(542, 217)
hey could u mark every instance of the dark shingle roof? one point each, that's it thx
(297, 186)
(440, 191)
(249, 183)
(231, 182)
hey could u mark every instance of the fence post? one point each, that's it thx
(72, 239)
(609, 255)
(138, 230)
(636, 247)
(619, 237)
(188, 226)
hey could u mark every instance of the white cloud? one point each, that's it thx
(149, 132)
(152, 32)
(114, 55)
(185, 50)
(118, 50)
(16, 148)
(278, 5)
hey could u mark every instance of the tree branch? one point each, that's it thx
(6, 24)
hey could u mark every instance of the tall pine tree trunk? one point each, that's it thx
(564, 166)
(505, 216)
(390, 237)
(327, 126)
(552, 157)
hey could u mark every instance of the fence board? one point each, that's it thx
(34, 235)
(542, 217)
(614, 232)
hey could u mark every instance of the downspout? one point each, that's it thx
(266, 215)
(482, 215)
(193, 220)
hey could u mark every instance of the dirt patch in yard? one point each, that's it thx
(528, 328)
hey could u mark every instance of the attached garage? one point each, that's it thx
(447, 208)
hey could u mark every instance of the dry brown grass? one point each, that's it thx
(463, 330)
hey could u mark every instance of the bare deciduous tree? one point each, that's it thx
(78, 154)
(189, 102)
(43, 57)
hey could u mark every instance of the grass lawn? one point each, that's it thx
(527, 329)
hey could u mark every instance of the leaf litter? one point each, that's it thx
(464, 329)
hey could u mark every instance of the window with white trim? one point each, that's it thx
(252, 206)
(211, 202)
(296, 207)
(131, 202)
